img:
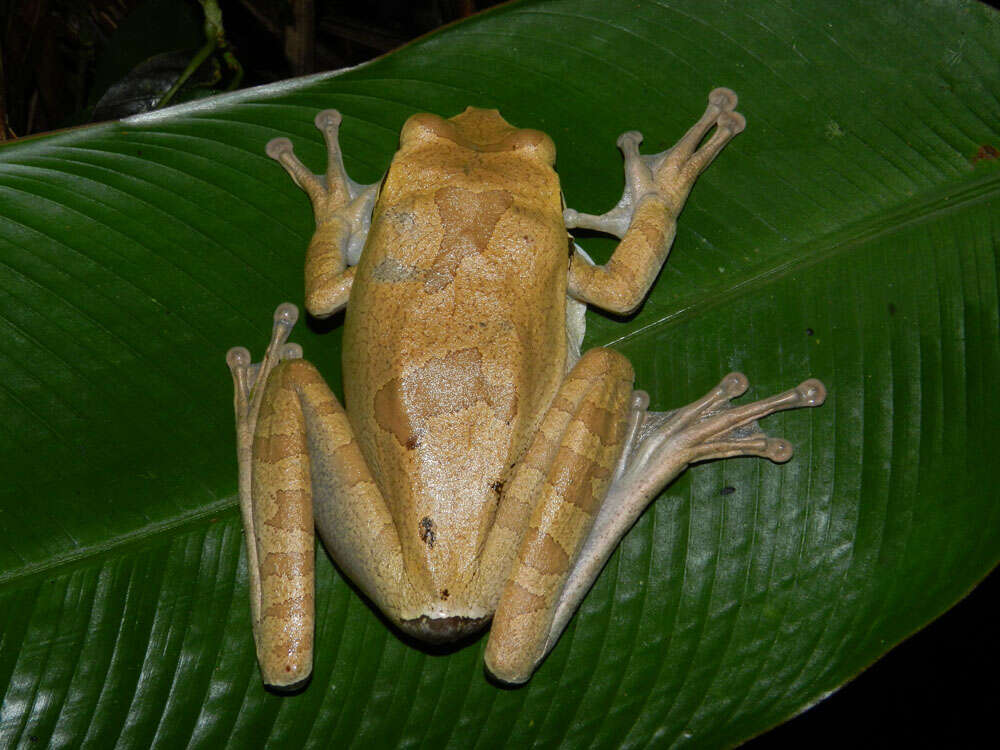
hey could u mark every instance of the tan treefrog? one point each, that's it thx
(483, 470)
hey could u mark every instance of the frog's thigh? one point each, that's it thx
(305, 455)
(568, 470)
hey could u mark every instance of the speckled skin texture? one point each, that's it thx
(481, 470)
(462, 284)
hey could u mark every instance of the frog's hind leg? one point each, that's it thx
(298, 459)
(583, 505)
(342, 209)
(285, 661)
(663, 446)
(549, 506)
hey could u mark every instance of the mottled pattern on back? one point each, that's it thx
(462, 284)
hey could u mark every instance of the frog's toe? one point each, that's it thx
(238, 357)
(629, 141)
(240, 365)
(778, 450)
(812, 392)
(678, 167)
(286, 314)
(712, 427)
(328, 120)
(277, 148)
(281, 150)
(723, 98)
(247, 374)
(732, 122)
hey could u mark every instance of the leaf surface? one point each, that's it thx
(850, 234)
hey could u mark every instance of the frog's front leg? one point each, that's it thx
(580, 507)
(645, 218)
(343, 210)
(298, 459)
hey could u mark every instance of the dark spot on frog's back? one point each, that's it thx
(443, 629)
(427, 533)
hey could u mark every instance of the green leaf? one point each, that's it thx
(850, 233)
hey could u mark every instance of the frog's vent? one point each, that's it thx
(443, 629)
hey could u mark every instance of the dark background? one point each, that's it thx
(67, 62)
(936, 689)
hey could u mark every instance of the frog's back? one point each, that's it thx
(455, 335)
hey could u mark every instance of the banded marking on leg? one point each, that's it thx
(283, 533)
(567, 490)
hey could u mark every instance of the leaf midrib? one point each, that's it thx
(162, 530)
(920, 209)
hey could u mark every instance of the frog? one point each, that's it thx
(482, 469)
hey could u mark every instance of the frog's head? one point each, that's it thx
(483, 130)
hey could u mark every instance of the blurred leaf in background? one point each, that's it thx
(66, 62)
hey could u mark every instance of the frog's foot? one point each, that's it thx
(669, 174)
(342, 207)
(709, 428)
(249, 378)
(659, 446)
(328, 191)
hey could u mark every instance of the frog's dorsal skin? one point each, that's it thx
(483, 468)
(462, 283)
